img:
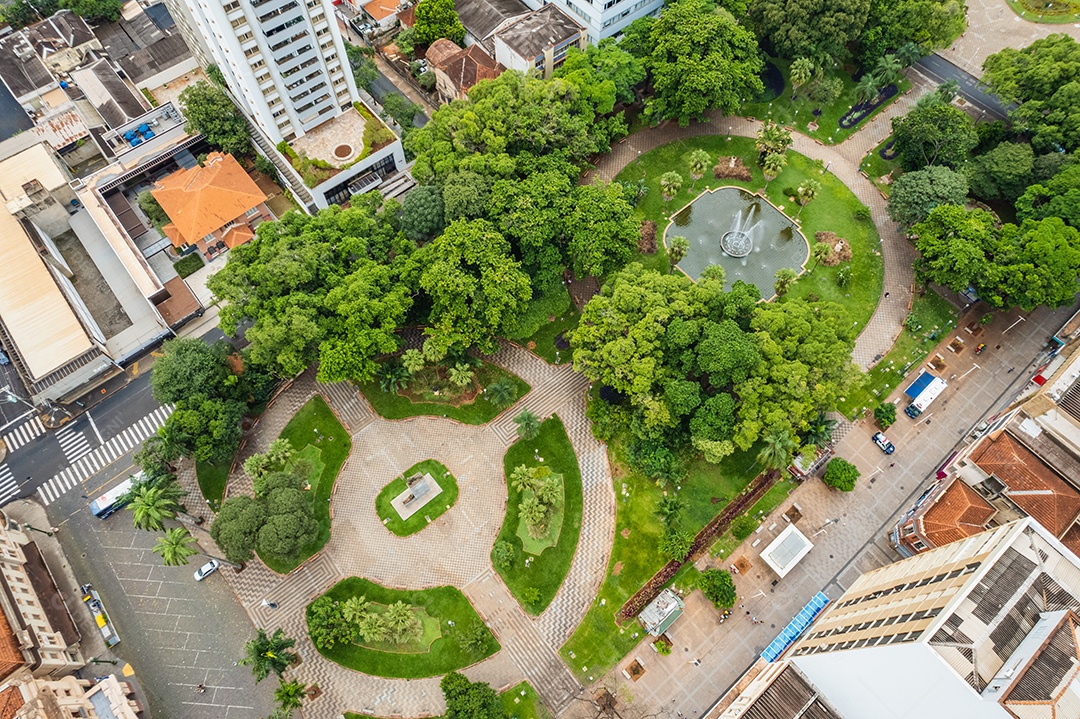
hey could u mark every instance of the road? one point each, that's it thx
(940, 70)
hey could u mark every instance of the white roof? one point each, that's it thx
(787, 550)
(33, 163)
(42, 324)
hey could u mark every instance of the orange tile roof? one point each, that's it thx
(407, 17)
(469, 66)
(1071, 539)
(201, 200)
(958, 513)
(237, 236)
(440, 51)
(11, 657)
(381, 9)
(1032, 485)
(11, 701)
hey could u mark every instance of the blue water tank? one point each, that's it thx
(63, 84)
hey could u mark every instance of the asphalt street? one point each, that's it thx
(940, 70)
(175, 632)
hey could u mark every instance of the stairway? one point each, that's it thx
(288, 175)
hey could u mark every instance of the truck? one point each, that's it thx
(103, 506)
(924, 390)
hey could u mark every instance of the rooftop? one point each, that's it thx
(23, 54)
(11, 656)
(790, 696)
(164, 125)
(201, 200)
(381, 9)
(1052, 669)
(958, 512)
(1032, 485)
(151, 60)
(483, 17)
(538, 31)
(659, 614)
(20, 172)
(338, 141)
(113, 98)
(787, 550)
(469, 66)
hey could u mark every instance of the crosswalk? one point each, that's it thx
(92, 461)
(24, 433)
(73, 442)
(8, 486)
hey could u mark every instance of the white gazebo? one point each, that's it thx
(787, 550)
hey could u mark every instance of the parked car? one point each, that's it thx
(206, 570)
(883, 443)
(4, 361)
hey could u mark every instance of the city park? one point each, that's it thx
(468, 498)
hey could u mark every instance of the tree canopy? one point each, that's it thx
(914, 194)
(934, 134)
(930, 24)
(436, 19)
(211, 112)
(841, 474)
(1044, 80)
(700, 59)
(605, 73)
(1057, 197)
(470, 700)
(815, 29)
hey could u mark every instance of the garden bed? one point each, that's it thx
(434, 509)
(479, 410)
(447, 605)
(547, 570)
(318, 437)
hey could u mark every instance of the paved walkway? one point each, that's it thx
(993, 26)
(843, 160)
(453, 550)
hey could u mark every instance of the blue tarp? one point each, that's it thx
(795, 628)
(919, 385)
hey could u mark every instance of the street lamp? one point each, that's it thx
(11, 398)
(42, 531)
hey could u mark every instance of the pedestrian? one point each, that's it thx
(892, 465)
(886, 295)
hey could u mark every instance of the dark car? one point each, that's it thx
(883, 443)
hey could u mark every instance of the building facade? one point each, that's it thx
(283, 60)
(24, 697)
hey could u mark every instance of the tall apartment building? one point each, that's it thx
(283, 60)
(982, 628)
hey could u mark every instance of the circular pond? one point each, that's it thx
(741, 232)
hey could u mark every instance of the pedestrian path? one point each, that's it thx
(94, 460)
(74, 443)
(24, 433)
(8, 486)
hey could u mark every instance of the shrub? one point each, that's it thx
(266, 167)
(743, 526)
(862, 212)
(675, 544)
(663, 648)
(718, 586)
(502, 554)
(653, 460)
(530, 595)
(885, 414)
(188, 264)
(843, 276)
(731, 168)
(647, 241)
(841, 474)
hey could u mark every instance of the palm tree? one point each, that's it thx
(669, 507)
(280, 451)
(678, 246)
(461, 375)
(372, 627)
(785, 278)
(152, 504)
(820, 431)
(413, 361)
(522, 478)
(909, 53)
(354, 609)
(947, 90)
(175, 547)
(670, 184)
(269, 653)
(807, 192)
(778, 450)
(290, 695)
(888, 70)
(820, 251)
(528, 424)
(550, 490)
(802, 69)
(773, 165)
(867, 89)
(699, 163)
(772, 138)
(533, 513)
(401, 622)
(392, 377)
(256, 466)
(502, 392)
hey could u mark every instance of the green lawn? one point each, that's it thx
(1051, 12)
(877, 167)
(800, 113)
(522, 702)
(188, 264)
(934, 318)
(833, 210)
(316, 435)
(445, 604)
(434, 509)
(478, 411)
(599, 642)
(547, 570)
(213, 476)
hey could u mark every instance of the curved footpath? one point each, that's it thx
(453, 550)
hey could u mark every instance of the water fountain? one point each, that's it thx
(741, 232)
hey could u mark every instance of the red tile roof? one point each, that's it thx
(959, 512)
(237, 236)
(201, 200)
(11, 701)
(407, 17)
(11, 656)
(468, 67)
(381, 9)
(1032, 485)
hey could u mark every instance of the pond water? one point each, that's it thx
(741, 232)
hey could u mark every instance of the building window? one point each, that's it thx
(252, 212)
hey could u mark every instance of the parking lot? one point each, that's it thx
(175, 633)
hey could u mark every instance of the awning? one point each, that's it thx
(795, 628)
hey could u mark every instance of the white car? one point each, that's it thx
(206, 570)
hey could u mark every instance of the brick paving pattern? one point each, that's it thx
(459, 541)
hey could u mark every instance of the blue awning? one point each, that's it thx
(795, 628)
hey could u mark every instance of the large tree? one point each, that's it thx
(95, 10)
(211, 112)
(476, 287)
(236, 527)
(930, 24)
(601, 228)
(700, 59)
(470, 700)
(206, 428)
(436, 19)
(531, 214)
(1044, 80)
(422, 213)
(606, 73)
(1057, 197)
(914, 194)
(1002, 173)
(816, 29)
(953, 244)
(934, 134)
(190, 366)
